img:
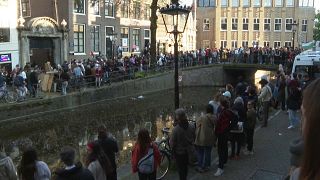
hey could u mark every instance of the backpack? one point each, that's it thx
(146, 163)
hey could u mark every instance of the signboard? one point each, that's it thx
(124, 42)
(5, 58)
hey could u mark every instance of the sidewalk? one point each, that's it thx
(270, 160)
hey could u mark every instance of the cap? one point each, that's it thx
(227, 94)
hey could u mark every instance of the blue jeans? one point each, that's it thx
(64, 87)
(293, 117)
(204, 156)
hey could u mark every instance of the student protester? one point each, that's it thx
(181, 142)
(98, 162)
(205, 139)
(144, 153)
(31, 168)
(310, 163)
(265, 97)
(249, 126)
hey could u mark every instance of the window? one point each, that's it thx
(78, 6)
(4, 35)
(108, 8)
(287, 44)
(95, 38)
(245, 44)
(246, 3)
(206, 24)
(206, 3)
(136, 39)
(256, 3)
(266, 44)
(224, 3)
(136, 10)
(278, 3)
(235, 3)
(205, 44)
(78, 38)
(223, 43)
(147, 38)
(276, 44)
(125, 39)
(277, 24)
(125, 8)
(234, 23)
(290, 3)
(267, 24)
(289, 22)
(245, 24)
(256, 22)
(25, 7)
(95, 5)
(224, 24)
(304, 25)
(267, 3)
(234, 44)
(147, 12)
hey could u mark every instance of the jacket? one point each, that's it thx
(266, 94)
(43, 171)
(7, 169)
(137, 155)
(182, 139)
(76, 173)
(251, 119)
(223, 122)
(205, 130)
(96, 169)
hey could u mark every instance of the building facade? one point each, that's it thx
(254, 23)
(9, 47)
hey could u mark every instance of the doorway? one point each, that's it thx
(41, 51)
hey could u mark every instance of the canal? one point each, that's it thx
(48, 132)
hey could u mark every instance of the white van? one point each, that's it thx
(307, 62)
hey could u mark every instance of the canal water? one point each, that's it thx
(49, 132)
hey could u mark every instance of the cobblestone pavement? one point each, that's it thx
(270, 160)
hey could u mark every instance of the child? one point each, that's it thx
(249, 127)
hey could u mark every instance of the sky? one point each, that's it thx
(317, 4)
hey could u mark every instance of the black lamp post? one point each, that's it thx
(171, 15)
(294, 30)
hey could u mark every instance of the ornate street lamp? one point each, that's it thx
(172, 15)
(294, 30)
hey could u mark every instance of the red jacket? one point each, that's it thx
(223, 122)
(136, 155)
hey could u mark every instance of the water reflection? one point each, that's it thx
(122, 117)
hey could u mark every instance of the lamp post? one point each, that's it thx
(64, 39)
(294, 30)
(171, 15)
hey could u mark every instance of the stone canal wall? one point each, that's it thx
(195, 76)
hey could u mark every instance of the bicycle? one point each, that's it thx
(166, 154)
(7, 96)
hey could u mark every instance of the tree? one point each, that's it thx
(153, 29)
(316, 30)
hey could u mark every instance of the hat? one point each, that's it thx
(90, 145)
(227, 94)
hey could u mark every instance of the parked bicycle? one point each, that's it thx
(7, 96)
(166, 154)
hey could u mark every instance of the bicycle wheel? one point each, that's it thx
(11, 97)
(164, 165)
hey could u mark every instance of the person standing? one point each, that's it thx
(7, 168)
(293, 101)
(222, 132)
(144, 149)
(205, 138)
(98, 162)
(181, 142)
(265, 97)
(110, 148)
(310, 163)
(72, 170)
(33, 80)
(99, 74)
(31, 168)
(65, 77)
(249, 126)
